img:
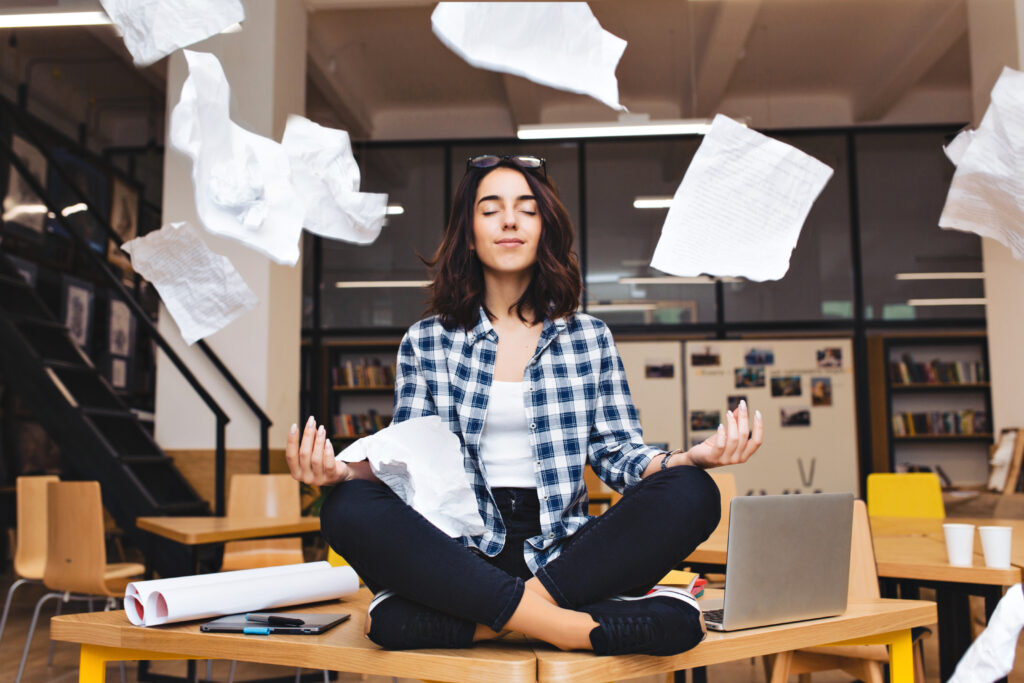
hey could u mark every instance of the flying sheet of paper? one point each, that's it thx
(990, 656)
(153, 29)
(242, 180)
(421, 461)
(326, 178)
(202, 290)
(986, 196)
(558, 44)
(956, 148)
(740, 207)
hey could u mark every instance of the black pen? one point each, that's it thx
(274, 620)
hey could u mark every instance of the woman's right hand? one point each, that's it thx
(312, 460)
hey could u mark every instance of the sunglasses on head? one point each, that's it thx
(526, 162)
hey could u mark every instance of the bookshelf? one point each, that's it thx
(359, 386)
(931, 404)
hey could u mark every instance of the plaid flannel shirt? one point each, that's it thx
(577, 404)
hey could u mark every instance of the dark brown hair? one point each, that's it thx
(457, 290)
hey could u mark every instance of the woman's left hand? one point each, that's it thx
(733, 443)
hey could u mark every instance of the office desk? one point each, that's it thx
(108, 636)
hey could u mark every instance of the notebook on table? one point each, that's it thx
(788, 560)
(265, 623)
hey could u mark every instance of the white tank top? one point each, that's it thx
(505, 441)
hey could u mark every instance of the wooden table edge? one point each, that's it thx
(153, 525)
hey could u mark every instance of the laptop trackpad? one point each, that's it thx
(712, 603)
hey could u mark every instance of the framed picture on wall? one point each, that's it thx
(21, 204)
(122, 329)
(124, 219)
(77, 303)
(119, 373)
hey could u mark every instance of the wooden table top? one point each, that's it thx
(514, 658)
(915, 548)
(200, 530)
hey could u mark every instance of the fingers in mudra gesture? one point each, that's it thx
(734, 442)
(310, 456)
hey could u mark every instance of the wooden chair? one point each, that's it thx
(30, 553)
(907, 494)
(76, 553)
(263, 495)
(861, 661)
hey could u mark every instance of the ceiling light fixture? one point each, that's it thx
(672, 280)
(940, 276)
(613, 129)
(380, 284)
(395, 210)
(652, 202)
(622, 307)
(946, 302)
(43, 19)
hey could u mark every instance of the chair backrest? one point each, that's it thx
(905, 494)
(76, 556)
(726, 483)
(263, 495)
(30, 555)
(863, 569)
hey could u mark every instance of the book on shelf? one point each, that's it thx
(359, 424)
(965, 422)
(367, 372)
(907, 371)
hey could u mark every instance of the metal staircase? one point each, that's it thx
(99, 437)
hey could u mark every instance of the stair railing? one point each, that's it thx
(221, 417)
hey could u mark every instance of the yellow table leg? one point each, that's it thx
(901, 653)
(92, 662)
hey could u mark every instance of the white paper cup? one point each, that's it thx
(959, 544)
(995, 541)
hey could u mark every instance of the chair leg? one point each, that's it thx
(124, 673)
(53, 643)
(780, 667)
(209, 669)
(298, 674)
(7, 603)
(31, 632)
(231, 673)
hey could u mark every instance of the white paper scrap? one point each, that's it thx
(558, 44)
(325, 175)
(421, 461)
(202, 290)
(956, 148)
(153, 29)
(990, 657)
(986, 196)
(242, 180)
(740, 207)
(165, 601)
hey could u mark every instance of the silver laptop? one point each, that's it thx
(788, 560)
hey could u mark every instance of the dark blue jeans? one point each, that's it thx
(655, 526)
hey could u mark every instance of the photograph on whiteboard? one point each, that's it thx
(757, 356)
(733, 402)
(701, 420)
(831, 357)
(750, 377)
(659, 370)
(799, 416)
(788, 385)
(705, 356)
(821, 391)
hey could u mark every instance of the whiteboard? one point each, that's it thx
(804, 389)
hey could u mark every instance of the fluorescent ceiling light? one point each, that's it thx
(395, 210)
(652, 202)
(613, 129)
(622, 307)
(40, 19)
(946, 302)
(940, 276)
(374, 284)
(74, 208)
(672, 280)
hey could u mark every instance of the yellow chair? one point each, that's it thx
(334, 559)
(30, 554)
(861, 661)
(76, 552)
(911, 494)
(263, 495)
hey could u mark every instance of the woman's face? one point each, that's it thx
(506, 223)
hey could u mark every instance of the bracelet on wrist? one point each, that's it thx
(668, 456)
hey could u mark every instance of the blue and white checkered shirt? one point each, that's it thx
(577, 404)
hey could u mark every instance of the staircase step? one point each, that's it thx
(143, 459)
(53, 344)
(60, 366)
(14, 281)
(17, 298)
(115, 411)
(123, 433)
(162, 481)
(35, 321)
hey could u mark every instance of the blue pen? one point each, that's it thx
(256, 630)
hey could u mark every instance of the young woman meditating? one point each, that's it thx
(535, 391)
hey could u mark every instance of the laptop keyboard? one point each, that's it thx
(713, 615)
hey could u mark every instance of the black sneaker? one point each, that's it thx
(397, 623)
(666, 621)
